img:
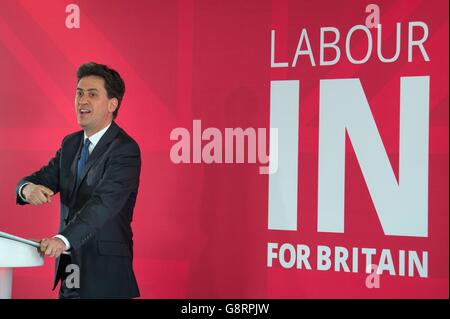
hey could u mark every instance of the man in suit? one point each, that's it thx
(96, 171)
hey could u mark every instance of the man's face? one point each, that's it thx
(94, 108)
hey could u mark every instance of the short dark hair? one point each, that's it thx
(114, 85)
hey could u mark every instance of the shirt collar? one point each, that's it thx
(97, 136)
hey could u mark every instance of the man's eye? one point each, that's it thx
(92, 94)
(79, 93)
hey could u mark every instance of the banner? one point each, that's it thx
(290, 149)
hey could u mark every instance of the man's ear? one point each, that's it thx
(113, 103)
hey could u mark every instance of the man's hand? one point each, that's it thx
(37, 194)
(52, 247)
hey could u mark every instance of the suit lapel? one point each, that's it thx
(99, 149)
(73, 154)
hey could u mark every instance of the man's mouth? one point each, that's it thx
(84, 111)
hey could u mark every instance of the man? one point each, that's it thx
(96, 171)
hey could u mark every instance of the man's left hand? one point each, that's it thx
(52, 247)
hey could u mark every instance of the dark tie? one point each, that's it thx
(83, 158)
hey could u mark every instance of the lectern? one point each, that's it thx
(15, 252)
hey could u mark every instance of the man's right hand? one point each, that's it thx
(37, 194)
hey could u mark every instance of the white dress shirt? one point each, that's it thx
(95, 138)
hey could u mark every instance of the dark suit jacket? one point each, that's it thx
(96, 212)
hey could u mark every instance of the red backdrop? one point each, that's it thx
(201, 230)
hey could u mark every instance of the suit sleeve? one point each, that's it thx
(120, 180)
(47, 176)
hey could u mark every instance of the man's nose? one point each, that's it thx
(82, 100)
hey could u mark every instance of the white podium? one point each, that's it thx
(15, 252)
